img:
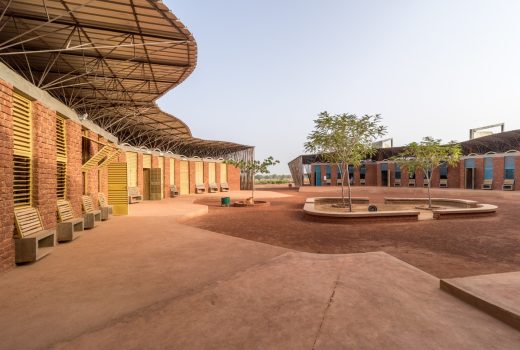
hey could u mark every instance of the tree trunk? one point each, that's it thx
(349, 190)
(428, 177)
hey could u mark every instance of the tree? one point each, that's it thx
(344, 139)
(254, 167)
(427, 156)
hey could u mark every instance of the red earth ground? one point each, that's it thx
(444, 248)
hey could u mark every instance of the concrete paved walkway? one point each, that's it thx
(149, 282)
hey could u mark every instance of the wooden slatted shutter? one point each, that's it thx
(185, 177)
(118, 188)
(223, 172)
(147, 161)
(172, 171)
(161, 166)
(199, 173)
(211, 173)
(155, 183)
(61, 158)
(131, 161)
(22, 151)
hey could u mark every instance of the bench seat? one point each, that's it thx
(69, 227)
(224, 187)
(133, 195)
(32, 241)
(212, 188)
(92, 216)
(200, 188)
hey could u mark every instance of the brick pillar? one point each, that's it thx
(333, 174)
(313, 175)
(166, 177)
(498, 172)
(217, 173)
(371, 174)
(206, 173)
(419, 178)
(6, 178)
(436, 178)
(479, 173)
(233, 178)
(454, 176)
(92, 174)
(191, 166)
(74, 162)
(140, 181)
(155, 162)
(177, 176)
(44, 163)
(379, 180)
(404, 177)
(391, 169)
(516, 187)
(357, 176)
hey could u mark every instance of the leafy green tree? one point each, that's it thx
(254, 167)
(427, 156)
(344, 139)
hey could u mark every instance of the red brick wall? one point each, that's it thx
(233, 178)
(498, 172)
(419, 178)
(404, 177)
(517, 173)
(206, 174)
(357, 176)
(74, 162)
(454, 176)
(435, 180)
(479, 173)
(6, 178)
(334, 174)
(167, 176)
(177, 171)
(379, 180)
(217, 172)
(92, 174)
(191, 166)
(371, 175)
(44, 163)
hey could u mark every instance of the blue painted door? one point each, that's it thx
(317, 174)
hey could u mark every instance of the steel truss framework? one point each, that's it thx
(109, 61)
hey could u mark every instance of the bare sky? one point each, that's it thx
(267, 68)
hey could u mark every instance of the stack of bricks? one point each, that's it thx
(44, 163)
(6, 178)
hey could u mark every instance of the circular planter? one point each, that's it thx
(256, 204)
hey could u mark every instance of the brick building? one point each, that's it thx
(488, 162)
(84, 99)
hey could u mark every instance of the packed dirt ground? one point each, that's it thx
(444, 248)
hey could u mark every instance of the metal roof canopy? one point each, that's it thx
(110, 60)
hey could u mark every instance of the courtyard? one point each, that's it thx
(153, 280)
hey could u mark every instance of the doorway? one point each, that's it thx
(146, 184)
(317, 175)
(469, 178)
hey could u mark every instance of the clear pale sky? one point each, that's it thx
(267, 68)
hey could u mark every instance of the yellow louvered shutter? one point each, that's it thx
(22, 151)
(131, 161)
(223, 172)
(118, 188)
(199, 173)
(61, 158)
(155, 183)
(161, 166)
(172, 171)
(211, 173)
(185, 177)
(147, 161)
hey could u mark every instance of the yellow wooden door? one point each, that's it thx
(211, 173)
(118, 188)
(131, 161)
(185, 177)
(161, 166)
(223, 172)
(155, 183)
(199, 173)
(147, 161)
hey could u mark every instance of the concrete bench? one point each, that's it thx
(173, 191)
(397, 183)
(443, 183)
(32, 242)
(69, 227)
(460, 203)
(91, 215)
(212, 188)
(451, 213)
(133, 195)
(224, 187)
(106, 209)
(508, 185)
(200, 188)
(487, 184)
(411, 182)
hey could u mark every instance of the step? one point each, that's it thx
(496, 294)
